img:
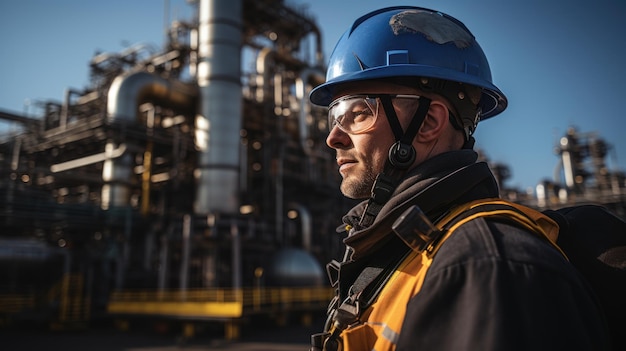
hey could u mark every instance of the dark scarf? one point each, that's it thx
(434, 185)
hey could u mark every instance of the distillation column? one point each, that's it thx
(218, 122)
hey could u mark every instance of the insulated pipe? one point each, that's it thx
(65, 110)
(128, 91)
(126, 94)
(319, 54)
(262, 69)
(218, 123)
(116, 174)
(568, 162)
(186, 252)
(302, 92)
(307, 225)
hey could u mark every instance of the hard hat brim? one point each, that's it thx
(492, 102)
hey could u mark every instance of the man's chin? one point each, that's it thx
(355, 189)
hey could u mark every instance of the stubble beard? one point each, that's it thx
(359, 186)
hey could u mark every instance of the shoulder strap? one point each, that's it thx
(526, 217)
(418, 233)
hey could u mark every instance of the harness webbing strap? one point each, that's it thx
(383, 188)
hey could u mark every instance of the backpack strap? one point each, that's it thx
(526, 217)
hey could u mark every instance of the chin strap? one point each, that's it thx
(401, 157)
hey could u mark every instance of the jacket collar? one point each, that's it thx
(446, 179)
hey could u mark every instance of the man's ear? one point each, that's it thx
(434, 123)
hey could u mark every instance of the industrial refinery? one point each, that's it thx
(178, 185)
(195, 184)
(581, 176)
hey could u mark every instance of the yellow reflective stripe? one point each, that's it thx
(390, 335)
(387, 333)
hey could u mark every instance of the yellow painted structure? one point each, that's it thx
(217, 303)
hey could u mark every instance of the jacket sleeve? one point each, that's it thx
(496, 287)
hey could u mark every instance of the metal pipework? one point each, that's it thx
(303, 85)
(126, 94)
(306, 221)
(128, 91)
(218, 123)
(568, 165)
(263, 62)
(116, 174)
(302, 93)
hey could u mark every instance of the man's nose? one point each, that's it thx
(337, 138)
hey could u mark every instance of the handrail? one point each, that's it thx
(248, 298)
(14, 303)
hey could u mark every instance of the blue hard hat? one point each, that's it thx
(410, 42)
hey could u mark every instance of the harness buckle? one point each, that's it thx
(332, 270)
(348, 312)
(382, 189)
(415, 229)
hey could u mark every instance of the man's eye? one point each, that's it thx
(361, 115)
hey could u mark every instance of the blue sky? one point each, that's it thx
(561, 63)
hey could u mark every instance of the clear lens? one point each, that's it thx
(353, 114)
(356, 114)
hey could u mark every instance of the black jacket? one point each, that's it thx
(492, 286)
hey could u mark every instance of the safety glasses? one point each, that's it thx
(356, 114)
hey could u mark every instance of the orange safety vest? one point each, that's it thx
(380, 324)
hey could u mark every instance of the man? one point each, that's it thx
(405, 88)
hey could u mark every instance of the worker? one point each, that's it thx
(405, 90)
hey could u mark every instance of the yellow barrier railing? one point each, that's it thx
(67, 296)
(74, 305)
(14, 303)
(200, 302)
(218, 303)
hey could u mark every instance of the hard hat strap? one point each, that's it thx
(401, 157)
(407, 136)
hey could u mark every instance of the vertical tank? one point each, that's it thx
(218, 122)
